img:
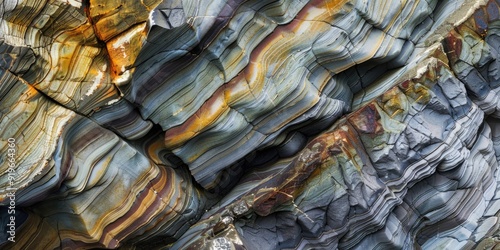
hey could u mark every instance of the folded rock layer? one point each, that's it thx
(250, 124)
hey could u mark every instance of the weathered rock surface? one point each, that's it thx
(251, 124)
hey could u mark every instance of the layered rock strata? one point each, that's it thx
(251, 124)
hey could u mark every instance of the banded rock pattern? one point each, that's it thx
(251, 124)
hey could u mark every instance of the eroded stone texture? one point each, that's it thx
(251, 124)
(89, 186)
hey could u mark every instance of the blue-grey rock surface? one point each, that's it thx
(250, 124)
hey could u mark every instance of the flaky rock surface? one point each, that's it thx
(265, 124)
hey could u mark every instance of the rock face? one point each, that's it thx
(250, 124)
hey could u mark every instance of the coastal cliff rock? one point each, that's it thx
(293, 124)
